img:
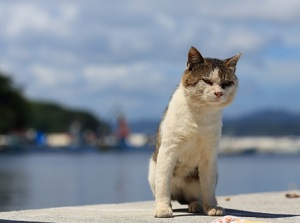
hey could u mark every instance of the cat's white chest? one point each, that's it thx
(196, 146)
(201, 131)
(188, 157)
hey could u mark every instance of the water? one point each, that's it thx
(40, 180)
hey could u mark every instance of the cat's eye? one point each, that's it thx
(226, 84)
(207, 81)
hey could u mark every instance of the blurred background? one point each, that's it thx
(83, 85)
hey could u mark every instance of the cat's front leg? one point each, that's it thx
(208, 180)
(164, 171)
(163, 210)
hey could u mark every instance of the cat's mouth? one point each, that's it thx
(217, 100)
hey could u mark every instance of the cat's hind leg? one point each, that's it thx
(195, 207)
(192, 193)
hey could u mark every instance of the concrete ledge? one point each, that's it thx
(265, 207)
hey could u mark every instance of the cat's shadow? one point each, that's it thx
(238, 213)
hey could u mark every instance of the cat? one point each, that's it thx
(184, 164)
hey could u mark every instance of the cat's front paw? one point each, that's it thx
(214, 211)
(163, 211)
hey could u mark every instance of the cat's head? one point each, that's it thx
(210, 81)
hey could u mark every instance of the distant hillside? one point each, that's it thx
(51, 117)
(14, 112)
(267, 122)
(19, 113)
(262, 123)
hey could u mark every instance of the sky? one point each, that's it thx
(106, 56)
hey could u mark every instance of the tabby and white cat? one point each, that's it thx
(184, 164)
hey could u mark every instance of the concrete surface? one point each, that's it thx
(264, 207)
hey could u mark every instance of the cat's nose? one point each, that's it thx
(218, 94)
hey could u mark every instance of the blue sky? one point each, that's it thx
(101, 55)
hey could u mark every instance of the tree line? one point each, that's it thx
(18, 113)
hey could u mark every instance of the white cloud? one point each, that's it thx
(24, 17)
(132, 77)
(265, 11)
(43, 76)
(282, 72)
(166, 21)
(101, 77)
(50, 81)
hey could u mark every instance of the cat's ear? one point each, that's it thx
(232, 61)
(194, 57)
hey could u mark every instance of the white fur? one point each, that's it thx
(214, 76)
(190, 135)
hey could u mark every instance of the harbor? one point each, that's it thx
(64, 142)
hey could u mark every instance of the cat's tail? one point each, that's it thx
(151, 176)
